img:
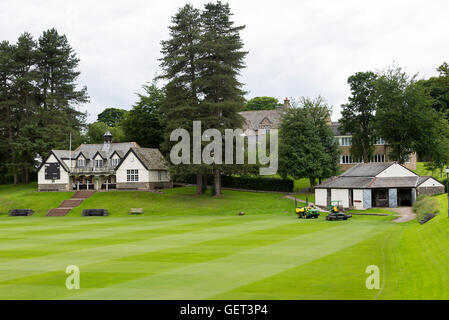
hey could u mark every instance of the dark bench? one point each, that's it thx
(20, 212)
(95, 212)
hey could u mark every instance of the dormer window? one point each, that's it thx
(99, 163)
(81, 163)
(114, 162)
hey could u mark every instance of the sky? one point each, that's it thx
(296, 48)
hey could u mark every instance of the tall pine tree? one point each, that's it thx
(58, 89)
(8, 105)
(221, 59)
(180, 64)
(38, 98)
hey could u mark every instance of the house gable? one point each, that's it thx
(131, 162)
(81, 154)
(131, 156)
(98, 156)
(396, 170)
(52, 158)
(431, 182)
(265, 122)
(115, 155)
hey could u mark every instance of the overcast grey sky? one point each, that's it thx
(296, 48)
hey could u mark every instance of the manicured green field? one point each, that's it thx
(27, 197)
(196, 247)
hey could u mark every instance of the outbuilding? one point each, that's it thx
(369, 185)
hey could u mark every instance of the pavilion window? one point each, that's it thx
(132, 175)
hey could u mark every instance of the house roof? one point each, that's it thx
(335, 126)
(105, 149)
(101, 153)
(373, 182)
(254, 118)
(367, 169)
(151, 158)
(120, 153)
(346, 182)
(395, 182)
(364, 176)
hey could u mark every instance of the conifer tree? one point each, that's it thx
(221, 59)
(58, 88)
(180, 64)
(38, 98)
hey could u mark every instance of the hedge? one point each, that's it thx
(426, 208)
(249, 183)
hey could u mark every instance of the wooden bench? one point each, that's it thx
(136, 211)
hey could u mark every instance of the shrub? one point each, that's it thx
(250, 183)
(258, 183)
(426, 208)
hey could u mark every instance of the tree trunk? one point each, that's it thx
(10, 141)
(27, 175)
(312, 183)
(199, 183)
(217, 182)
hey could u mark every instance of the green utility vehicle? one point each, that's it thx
(307, 212)
(336, 212)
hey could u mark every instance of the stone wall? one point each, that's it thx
(53, 187)
(133, 186)
(428, 191)
(144, 185)
(161, 185)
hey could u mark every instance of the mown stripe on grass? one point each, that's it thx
(208, 279)
(75, 255)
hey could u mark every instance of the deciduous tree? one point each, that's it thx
(112, 116)
(358, 115)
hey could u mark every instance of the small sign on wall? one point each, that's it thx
(52, 171)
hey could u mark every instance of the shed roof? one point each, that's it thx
(346, 182)
(367, 169)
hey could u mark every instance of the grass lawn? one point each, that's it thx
(306, 196)
(196, 247)
(27, 197)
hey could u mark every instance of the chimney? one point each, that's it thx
(107, 137)
(286, 103)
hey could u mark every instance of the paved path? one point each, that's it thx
(405, 214)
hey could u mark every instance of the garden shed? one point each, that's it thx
(369, 185)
